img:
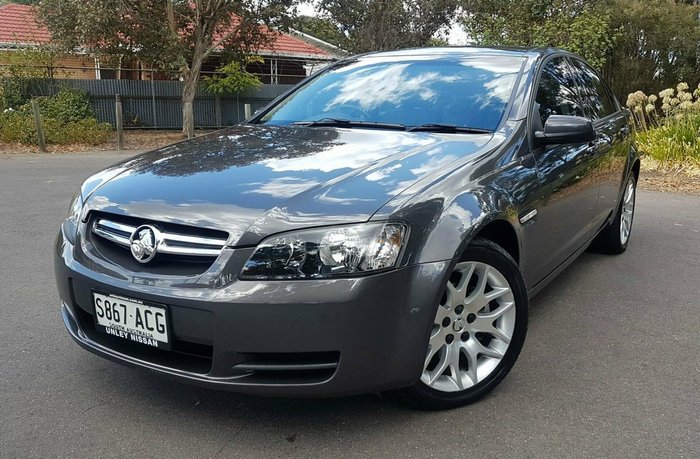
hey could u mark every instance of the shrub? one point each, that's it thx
(67, 105)
(67, 118)
(88, 131)
(11, 94)
(18, 127)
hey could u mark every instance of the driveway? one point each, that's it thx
(610, 368)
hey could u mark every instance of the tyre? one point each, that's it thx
(478, 331)
(615, 236)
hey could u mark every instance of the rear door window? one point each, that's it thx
(596, 99)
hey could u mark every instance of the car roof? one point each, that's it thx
(467, 51)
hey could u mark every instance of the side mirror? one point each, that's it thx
(562, 129)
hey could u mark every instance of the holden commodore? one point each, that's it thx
(378, 228)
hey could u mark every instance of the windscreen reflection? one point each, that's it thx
(412, 91)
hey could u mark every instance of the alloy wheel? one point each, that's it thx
(472, 330)
(627, 212)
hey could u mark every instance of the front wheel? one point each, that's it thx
(478, 331)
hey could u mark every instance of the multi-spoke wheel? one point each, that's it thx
(473, 327)
(615, 236)
(478, 330)
(627, 213)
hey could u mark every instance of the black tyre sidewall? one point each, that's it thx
(608, 240)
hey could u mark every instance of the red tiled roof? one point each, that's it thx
(287, 44)
(18, 24)
(284, 44)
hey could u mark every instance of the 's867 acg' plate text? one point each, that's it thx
(132, 320)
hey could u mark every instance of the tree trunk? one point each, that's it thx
(191, 79)
(203, 37)
(188, 92)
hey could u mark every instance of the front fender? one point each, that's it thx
(441, 229)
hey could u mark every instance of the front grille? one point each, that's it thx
(172, 244)
(183, 250)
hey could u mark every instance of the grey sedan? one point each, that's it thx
(380, 227)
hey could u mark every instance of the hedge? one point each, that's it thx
(19, 127)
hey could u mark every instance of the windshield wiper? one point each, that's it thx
(341, 122)
(447, 128)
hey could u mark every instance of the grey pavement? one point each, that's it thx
(610, 368)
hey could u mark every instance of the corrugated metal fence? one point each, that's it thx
(156, 104)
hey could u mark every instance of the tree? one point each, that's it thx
(638, 44)
(373, 25)
(657, 46)
(233, 78)
(170, 34)
(322, 28)
(26, 73)
(583, 27)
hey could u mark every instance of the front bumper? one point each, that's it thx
(294, 338)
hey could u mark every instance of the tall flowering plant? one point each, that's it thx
(668, 125)
(650, 111)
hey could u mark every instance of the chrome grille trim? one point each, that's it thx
(173, 243)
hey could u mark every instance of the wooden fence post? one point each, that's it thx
(217, 111)
(120, 126)
(41, 140)
(153, 103)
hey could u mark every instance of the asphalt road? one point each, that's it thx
(610, 368)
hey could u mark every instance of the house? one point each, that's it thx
(287, 61)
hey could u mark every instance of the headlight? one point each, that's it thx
(74, 210)
(327, 252)
(75, 207)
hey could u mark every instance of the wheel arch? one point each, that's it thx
(636, 168)
(502, 233)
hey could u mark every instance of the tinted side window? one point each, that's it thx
(596, 99)
(556, 94)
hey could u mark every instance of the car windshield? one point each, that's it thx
(463, 92)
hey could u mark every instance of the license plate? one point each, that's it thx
(132, 320)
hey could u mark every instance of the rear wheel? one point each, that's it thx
(478, 330)
(615, 236)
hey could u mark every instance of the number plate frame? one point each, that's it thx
(127, 335)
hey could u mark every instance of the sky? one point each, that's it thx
(456, 35)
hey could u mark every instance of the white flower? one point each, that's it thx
(682, 86)
(685, 105)
(666, 93)
(685, 96)
(650, 108)
(636, 98)
(653, 98)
